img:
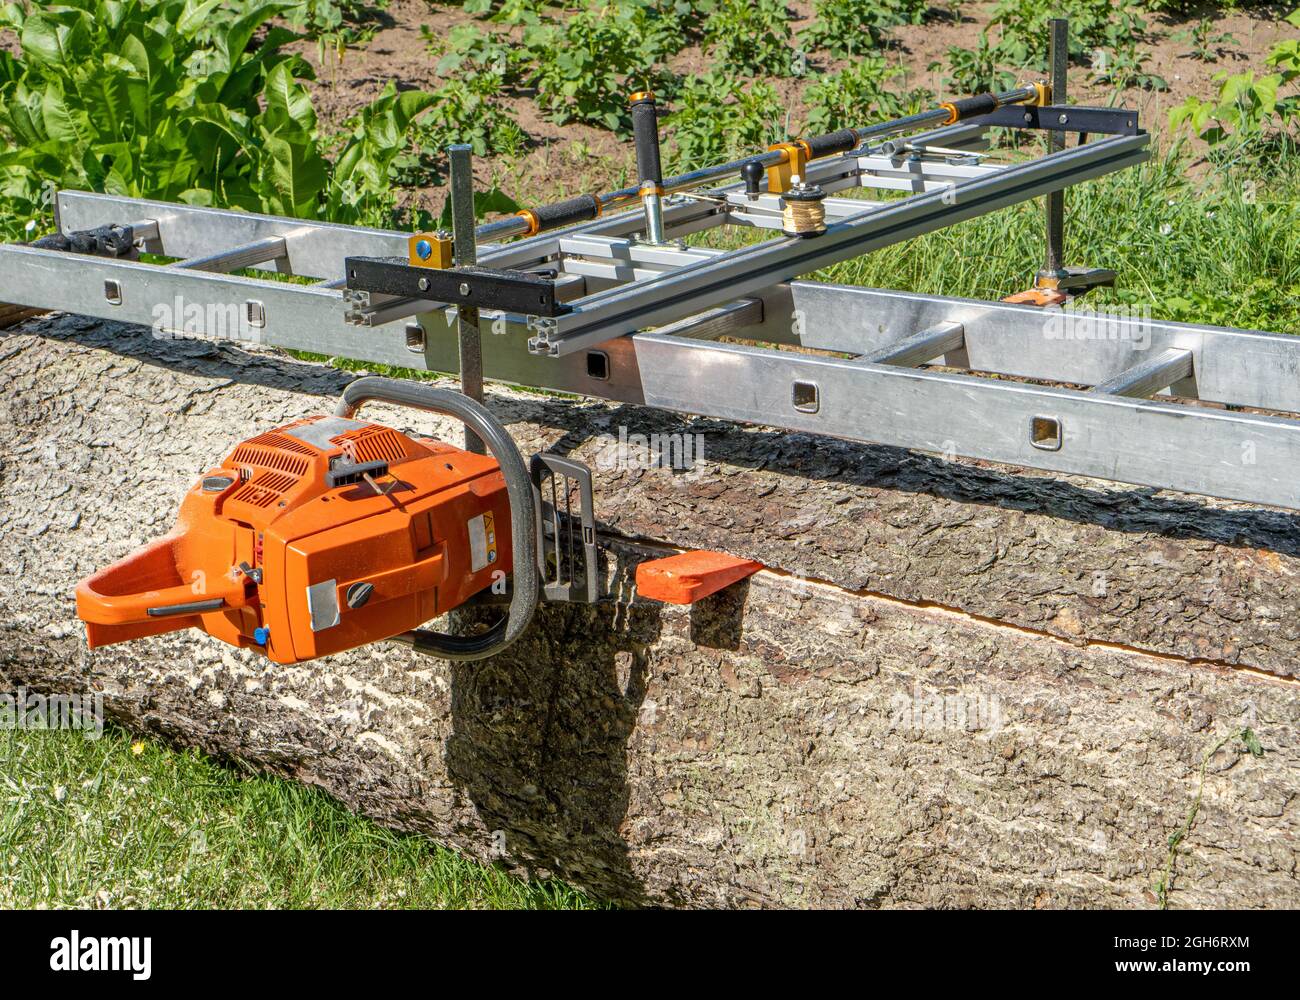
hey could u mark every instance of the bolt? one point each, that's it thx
(424, 284)
(464, 288)
(1063, 119)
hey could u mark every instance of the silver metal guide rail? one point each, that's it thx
(629, 317)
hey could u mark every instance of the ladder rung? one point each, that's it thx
(244, 255)
(919, 348)
(144, 231)
(1146, 379)
(718, 321)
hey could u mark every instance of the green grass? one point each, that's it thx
(100, 823)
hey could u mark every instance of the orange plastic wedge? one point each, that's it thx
(690, 576)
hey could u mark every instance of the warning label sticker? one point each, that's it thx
(482, 541)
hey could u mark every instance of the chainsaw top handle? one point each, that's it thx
(523, 526)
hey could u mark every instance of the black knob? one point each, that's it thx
(752, 172)
(359, 593)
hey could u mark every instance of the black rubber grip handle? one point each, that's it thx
(645, 130)
(969, 107)
(105, 241)
(832, 142)
(563, 213)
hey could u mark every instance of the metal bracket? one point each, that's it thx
(1077, 280)
(1065, 118)
(565, 536)
(471, 285)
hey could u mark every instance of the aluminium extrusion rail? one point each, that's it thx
(879, 388)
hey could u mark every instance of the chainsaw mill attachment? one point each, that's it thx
(601, 296)
(329, 533)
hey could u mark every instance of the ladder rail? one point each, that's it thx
(1238, 367)
(1175, 445)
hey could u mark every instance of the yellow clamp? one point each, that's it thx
(779, 175)
(1044, 95)
(429, 250)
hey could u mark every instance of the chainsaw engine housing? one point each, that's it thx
(313, 538)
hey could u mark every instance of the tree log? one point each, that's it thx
(954, 685)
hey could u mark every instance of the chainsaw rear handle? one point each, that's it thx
(523, 527)
(131, 592)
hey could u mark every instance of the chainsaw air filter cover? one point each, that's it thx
(316, 537)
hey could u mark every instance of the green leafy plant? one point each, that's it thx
(361, 182)
(847, 28)
(1124, 68)
(468, 51)
(336, 24)
(717, 117)
(1108, 25)
(1207, 45)
(751, 37)
(586, 66)
(580, 67)
(975, 71)
(158, 99)
(461, 111)
(1164, 882)
(866, 90)
(508, 11)
(668, 26)
(1251, 114)
(196, 101)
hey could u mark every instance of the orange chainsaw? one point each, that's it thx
(329, 533)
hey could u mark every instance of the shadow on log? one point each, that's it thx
(955, 685)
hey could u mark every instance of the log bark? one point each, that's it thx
(955, 685)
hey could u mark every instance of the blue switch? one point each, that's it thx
(261, 635)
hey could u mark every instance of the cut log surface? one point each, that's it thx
(953, 685)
